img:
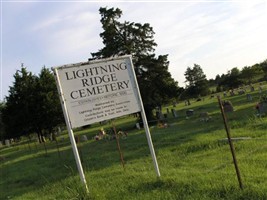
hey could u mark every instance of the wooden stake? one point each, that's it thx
(118, 145)
(230, 143)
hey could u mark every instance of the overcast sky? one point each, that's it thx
(217, 35)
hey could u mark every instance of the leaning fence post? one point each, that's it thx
(230, 143)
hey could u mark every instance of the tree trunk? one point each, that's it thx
(39, 138)
(149, 114)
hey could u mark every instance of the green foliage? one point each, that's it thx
(124, 38)
(197, 82)
(2, 128)
(155, 82)
(17, 114)
(250, 75)
(263, 67)
(232, 79)
(48, 113)
(32, 105)
(236, 78)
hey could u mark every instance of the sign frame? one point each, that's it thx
(137, 95)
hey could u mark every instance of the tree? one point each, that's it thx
(2, 128)
(232, 79)
(157, 86)
(32, 105)
(263, 66)
(17, 114)
(250, 75)
(197, 82)
(155, 82)
(48, 113)
(124, 38)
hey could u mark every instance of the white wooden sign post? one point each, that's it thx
(99, 90)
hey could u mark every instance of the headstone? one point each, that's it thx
(189, 113)
(227, 106)
(240, 92)
(232, 93)
(188, 102)
(58, 131)
(249, 97)
(204, 116)
(138, 126)
(7, 143)
(174, 113)
(83, 138)
(103, 122)
(262, 108)
(159, 115)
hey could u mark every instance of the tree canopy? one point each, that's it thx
(197, 84)
(20, 104)
(122, 38)
(2, 125)
(32, 105)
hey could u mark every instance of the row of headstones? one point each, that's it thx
(6, 143)
(160, 115)
(82, 138)
(243, 91)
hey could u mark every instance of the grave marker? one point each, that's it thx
(84, 138)
(227, 106)
(189, 113)
(7, 143)
(174, 113)
(249, 97)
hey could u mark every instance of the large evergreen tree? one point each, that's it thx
(2, 125)
(48, 113)
(32, 105)
(155, 82)
(17, 114)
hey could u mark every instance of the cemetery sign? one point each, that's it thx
(99, 90)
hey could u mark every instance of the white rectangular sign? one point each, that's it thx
(99, 90)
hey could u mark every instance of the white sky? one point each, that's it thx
(217, 35)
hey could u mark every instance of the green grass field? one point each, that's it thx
(194, 160)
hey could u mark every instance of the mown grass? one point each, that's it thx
(193, 156)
